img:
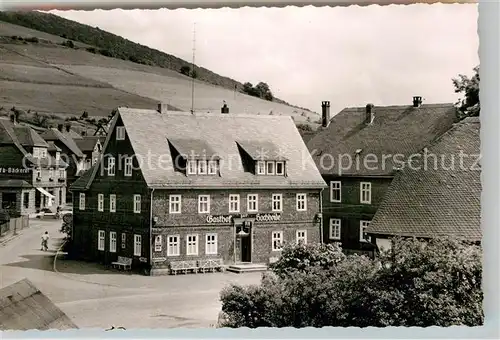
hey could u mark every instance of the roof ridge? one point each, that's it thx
(397, 106)
(204, 114)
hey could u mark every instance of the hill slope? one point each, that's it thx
(108, 44)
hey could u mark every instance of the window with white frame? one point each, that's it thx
(261, 168)
(301, 236)
(120, 133)
(124, 240)
(212, 167)
(82, 201)
(301, 202)
(51, 173)
(58, 155)
(137, 204)
(363, 225)
(277, 240)
(101, 240)
(192, 245)
(112, 203)
(204, 204)
(111, 166)
(158, 243)
(366, 192)
(43, 153)
(335, 228)
(191, 167)
(270, 168)
(128, 166)
(280, 168)
(100, 202)
(173, 245)
(174, 204)
(335, 191)
(62, 173)
(36, 152)
(234, 203)
(112, 241)
(202, 167)
(137, 245)
(252, 202)
(211, 244)
(277, 202)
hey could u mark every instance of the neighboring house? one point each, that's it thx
(91, 146)
(441, 197)
(208, 186)
(31, 178)
(23, 307)
(70, 152)
(101, 131)
(357, 152)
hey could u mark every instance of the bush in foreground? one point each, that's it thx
(415, 283)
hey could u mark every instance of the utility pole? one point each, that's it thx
(192, 69)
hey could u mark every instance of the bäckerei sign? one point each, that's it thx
(258, 218)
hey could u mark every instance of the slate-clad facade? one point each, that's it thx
(231, 187)
(358, 152)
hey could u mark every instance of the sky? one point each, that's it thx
(349, 56)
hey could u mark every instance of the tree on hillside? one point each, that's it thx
(185, 70)
(84, 115)
(469, 105)
(264, 91)
(416, 283)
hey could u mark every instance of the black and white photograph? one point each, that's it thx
(240, 167)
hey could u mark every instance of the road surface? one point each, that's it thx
(94, 297)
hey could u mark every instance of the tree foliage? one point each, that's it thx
(416, 283)
(469, 105)
(261, 90)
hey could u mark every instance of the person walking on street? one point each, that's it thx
(45, 241)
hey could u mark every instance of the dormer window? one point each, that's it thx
(191, 168)
(261, 168)
(39, 152)
(270, 167)
(202, 167)
(280, 168)
(212, 167)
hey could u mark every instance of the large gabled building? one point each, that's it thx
(176, 186)
(358, 151)
(438, 196)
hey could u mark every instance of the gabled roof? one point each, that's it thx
(81, 184)
(53, 147)
(260, 150)
(23, 307)
(396, 130)
(87, 143)
(149, 132)
(193, 148)
(28, 137)
(54, 134)
(442, 199)
(9, 135)
(14, 183)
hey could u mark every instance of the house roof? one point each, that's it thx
(54, 134)
(396, 133)
(24, 307)
(442, 198)
(28, 137)
(87, 143)
(149, 132)
(53, 147)
(10, 133)
(260, 150)
(14, 183)
(82, 182)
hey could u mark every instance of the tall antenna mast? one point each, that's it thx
(192, 68)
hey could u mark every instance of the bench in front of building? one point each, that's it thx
(124, 263)
(208, 265)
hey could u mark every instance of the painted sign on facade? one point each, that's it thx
(267, 217)
(11, 170)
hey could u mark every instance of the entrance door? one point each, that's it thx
(244, 234)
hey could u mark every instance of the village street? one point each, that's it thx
(94, 297)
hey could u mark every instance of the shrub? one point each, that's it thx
(416, 283)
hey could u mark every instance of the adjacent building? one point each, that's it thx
(91, 147)
(62, 137)
(358, 151)
(32, 174)
(175, 186)
(440, 195)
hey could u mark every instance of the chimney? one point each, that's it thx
(224, 108)
(369, 114)
(60, 127)
(325, 113)
(162, 108)
(417, 101)
(68, 126)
